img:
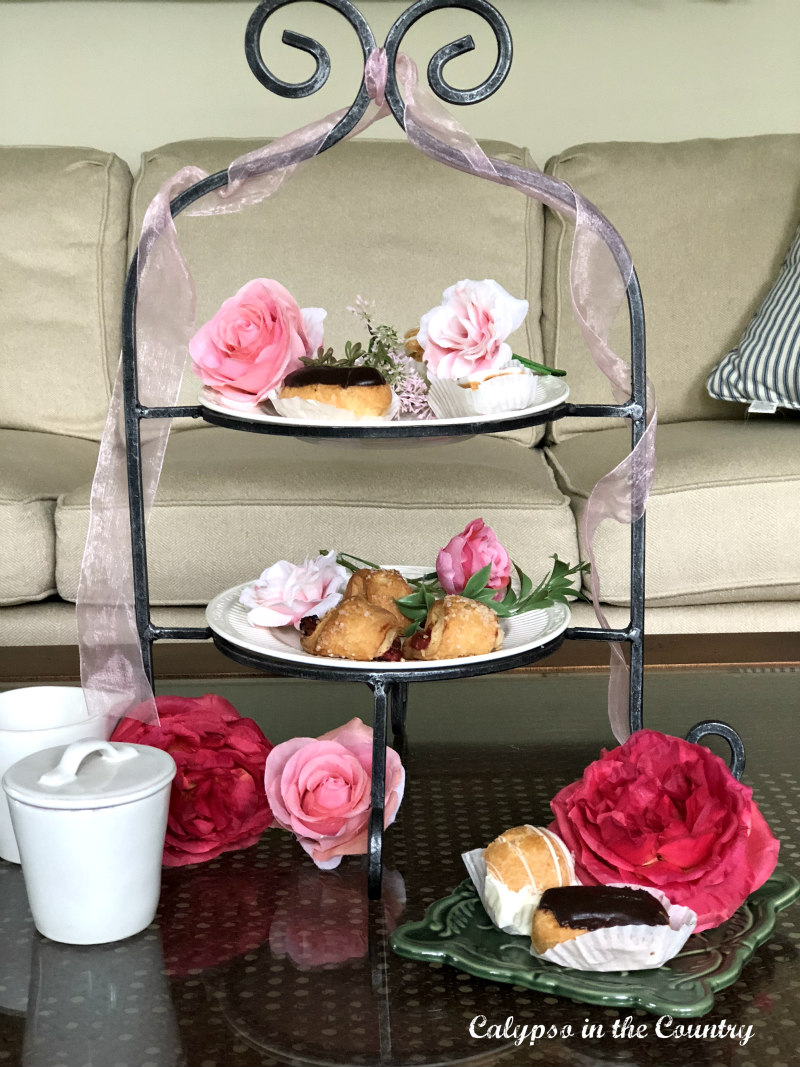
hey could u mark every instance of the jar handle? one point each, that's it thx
(73, 756)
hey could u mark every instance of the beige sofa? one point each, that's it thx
(707, 221)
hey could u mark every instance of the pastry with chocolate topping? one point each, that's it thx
(359, 390)
(568, 912)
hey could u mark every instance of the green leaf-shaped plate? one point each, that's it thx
(456, 930)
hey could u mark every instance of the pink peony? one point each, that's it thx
(255, 339)
(470, 551)
(466, 335)
(217, 801)
(320, 790)
(667, 814)
(285, 593)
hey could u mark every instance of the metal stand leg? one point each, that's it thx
(376, 816)
(399, 706)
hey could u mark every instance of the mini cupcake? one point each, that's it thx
(508, 389)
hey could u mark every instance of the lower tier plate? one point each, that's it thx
(457, 931)
(228, 619)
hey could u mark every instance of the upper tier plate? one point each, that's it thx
(228, 618)
(549, 394)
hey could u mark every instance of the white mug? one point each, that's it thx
(34, 718)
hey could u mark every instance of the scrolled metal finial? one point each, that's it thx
(322, 69)
(436, 79)
(721, 729)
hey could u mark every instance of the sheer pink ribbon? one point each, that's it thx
(112, 670)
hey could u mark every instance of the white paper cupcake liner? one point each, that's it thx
(297, 407)
(508, 390)
(626, 948)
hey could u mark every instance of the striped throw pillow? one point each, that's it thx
(765, 366)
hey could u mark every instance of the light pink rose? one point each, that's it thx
(466, 335)
(470, 551)
(285, 593)
(255, 339)
(320, 790)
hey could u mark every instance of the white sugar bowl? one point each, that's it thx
(90, 821)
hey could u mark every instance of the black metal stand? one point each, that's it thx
(390, 687)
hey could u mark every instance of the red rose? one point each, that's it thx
(218, 801)
(659, 811)
(210, 914)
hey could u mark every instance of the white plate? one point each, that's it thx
(550, 393)
(228, 618)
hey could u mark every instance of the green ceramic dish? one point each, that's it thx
(457, 931)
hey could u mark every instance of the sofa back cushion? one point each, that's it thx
(707, 223)
(370, 218)
(62, 268)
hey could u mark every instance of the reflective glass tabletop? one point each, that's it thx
(259, 958)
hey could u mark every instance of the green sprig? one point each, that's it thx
(538, 368)
(556, 587)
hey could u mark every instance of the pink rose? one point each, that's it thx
(323, 918)
(255, 339)
(470, 551)
(466, 335)
(217, 802)
(664, 813)
(285, 593)
(320, 790)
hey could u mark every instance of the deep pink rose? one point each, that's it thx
(323, 918)
(255, 339)
(320, 790)
(217, 801)
(659, 811)
(466, 335)
(470, 551)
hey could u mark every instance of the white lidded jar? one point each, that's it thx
(90, 821)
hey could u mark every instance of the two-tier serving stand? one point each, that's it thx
(388, 683)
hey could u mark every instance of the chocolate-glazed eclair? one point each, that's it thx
(569, 911)
(361, 390)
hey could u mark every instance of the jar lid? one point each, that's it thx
(89, 774)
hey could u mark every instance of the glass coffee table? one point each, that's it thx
(258, 958)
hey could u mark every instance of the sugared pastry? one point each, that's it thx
(570, 911)
(456, 626)
(359, 390)
(353, 629)
(380, 587)
(520, 865)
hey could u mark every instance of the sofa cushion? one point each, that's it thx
(62, 268)
(722, 518)
(370, 218)
(230, 504)
(765, 365)
(35, 469)
(708, 223)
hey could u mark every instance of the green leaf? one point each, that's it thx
(525, 584)
(477, 581)
(538, 368)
